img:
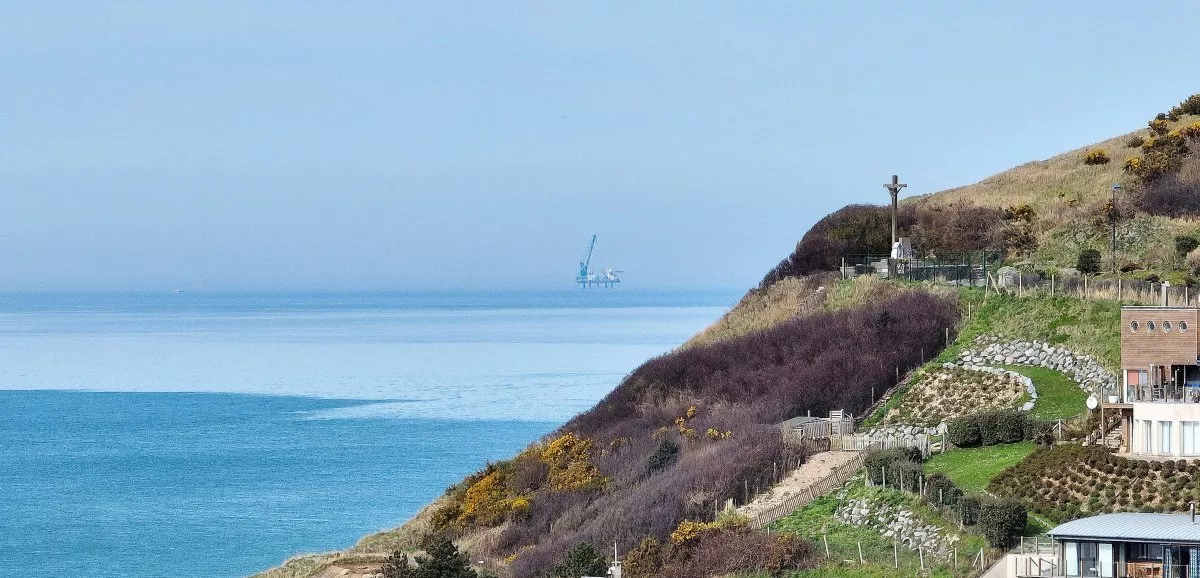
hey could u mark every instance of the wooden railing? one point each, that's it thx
(836, 478)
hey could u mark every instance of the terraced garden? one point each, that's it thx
(1070, 480)
(941, 393)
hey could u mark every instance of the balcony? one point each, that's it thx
(1166, 393)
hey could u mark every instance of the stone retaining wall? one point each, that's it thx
(1088, 373)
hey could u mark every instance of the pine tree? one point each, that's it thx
(582, 560)
(397, 566)
(444, 561)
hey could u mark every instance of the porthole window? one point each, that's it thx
(1150, 326)
(1166, 326)
(1134, 326)
(1183, 326)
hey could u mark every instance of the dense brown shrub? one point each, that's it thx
(1173, 195)
(851, 230)
(745, 386)
(866, 229)
(720, 552)
(1135, 141)
(958, 227)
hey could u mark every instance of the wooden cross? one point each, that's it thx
(894, 188)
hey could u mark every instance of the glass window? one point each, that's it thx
(1191, 437)
(1106, 561)
(1134, 326)
(1147, 428)
(1150, 326)
(1071, 557)
(1183, 326)
(1166, 326)
(1165, 441)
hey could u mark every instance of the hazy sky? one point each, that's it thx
(445, 145)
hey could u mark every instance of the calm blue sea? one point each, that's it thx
(216, 434)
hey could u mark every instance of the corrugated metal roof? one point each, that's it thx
(1132, 527)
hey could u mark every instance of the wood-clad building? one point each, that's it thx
(1159, 397)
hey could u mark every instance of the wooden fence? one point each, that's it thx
(837, 477)
(820, 429)
(858, 443)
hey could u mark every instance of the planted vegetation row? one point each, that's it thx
(1071, 481)
(686, 432)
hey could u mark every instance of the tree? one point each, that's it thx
(582, 560)
(1185, 244)
(443, 561)
(1089, 261)
(398, 566)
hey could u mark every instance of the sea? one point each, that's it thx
(217, 434)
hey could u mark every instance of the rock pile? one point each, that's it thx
(1091, 376)
(897, 522)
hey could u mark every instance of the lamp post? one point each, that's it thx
(1112, 217)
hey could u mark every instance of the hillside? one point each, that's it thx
(651, 466)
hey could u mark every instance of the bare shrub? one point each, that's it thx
(744, 385)
(1173, 195)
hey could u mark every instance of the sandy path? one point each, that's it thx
(818, 466)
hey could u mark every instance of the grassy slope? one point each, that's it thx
(972, 468)
(1066, 196)
(816, 521)
(1086, 326)
(1058, 396)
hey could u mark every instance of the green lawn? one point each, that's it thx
(1086, 326)
(972, 468)
(1058, 395)
(816, 522)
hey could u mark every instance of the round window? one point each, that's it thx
(1150, 326)
(1166, 326)
(1134, 326)
(1183, 326)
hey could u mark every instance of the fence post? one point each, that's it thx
(860, 556)
(921, 554)
(825, 538)
(895, 553)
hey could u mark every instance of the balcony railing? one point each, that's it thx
(1162, 394)
(1131, 570)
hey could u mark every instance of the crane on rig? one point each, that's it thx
(606, 278)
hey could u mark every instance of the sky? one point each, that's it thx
(446, 145)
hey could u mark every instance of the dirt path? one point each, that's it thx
(818, 466)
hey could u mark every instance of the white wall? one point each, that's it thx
(1176, 413)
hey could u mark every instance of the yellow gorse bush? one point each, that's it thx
(1098, 156)
(689, 530)
(569, 460)
(486, 502)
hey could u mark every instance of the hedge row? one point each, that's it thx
(995, 427)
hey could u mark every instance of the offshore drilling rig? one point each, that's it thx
(606, 278)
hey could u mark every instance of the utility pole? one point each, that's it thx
(1112, 217)
(894, 188)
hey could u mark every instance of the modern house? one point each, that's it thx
(1159, 391)
(1129, 545)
